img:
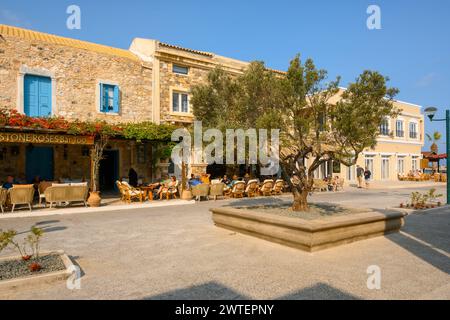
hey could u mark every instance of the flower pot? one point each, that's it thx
(186, 195)
(401, 205)
(26, 258)
(94, 199)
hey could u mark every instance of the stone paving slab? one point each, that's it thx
(176, 253)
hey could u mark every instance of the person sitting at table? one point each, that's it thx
(9, 182)
(195, 182)
(169, 186)
(205, 178)
(226, 181)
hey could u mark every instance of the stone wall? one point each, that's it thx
(170, 81)
(76, 73)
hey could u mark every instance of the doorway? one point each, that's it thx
(39, 163)
(109, 170)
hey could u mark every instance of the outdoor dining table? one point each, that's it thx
(148, 191)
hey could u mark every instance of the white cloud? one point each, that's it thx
(427, 80)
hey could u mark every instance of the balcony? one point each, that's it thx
(413, 135)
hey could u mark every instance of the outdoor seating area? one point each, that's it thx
(419, 176)
(199, 188)
(51, 193)
(330, 184)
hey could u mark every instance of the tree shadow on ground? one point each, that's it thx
(216, 291)
(427, 237)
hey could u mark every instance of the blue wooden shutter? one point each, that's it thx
(102, 98)
(45, 97)
(116, 99)
(31, 96)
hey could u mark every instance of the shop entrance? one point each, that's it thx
(109, 170)
(39, 163)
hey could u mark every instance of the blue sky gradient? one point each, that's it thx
(412, 48)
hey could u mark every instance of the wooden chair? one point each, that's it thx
(266, 188)
(3, 197)
(120, 188)
(21, 194)
(238, 190)
(278, 187)
(252, 188)
(131, 193)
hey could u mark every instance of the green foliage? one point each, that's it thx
(300, 104)
(421, 199)
(33, 240)
(7, 238)
(148, 131)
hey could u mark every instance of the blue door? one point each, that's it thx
(37, 96)
(39, 163)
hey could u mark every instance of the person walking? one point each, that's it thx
(367, 177)
(359, 175)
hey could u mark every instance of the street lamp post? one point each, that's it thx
(430, 112)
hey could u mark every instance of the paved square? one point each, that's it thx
(177, 253)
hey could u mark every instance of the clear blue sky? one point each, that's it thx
(412, 48)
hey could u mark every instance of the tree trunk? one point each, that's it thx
(300, 201)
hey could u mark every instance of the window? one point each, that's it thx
(180, 69)
(109, 98)
(180, 102)
(368, 163)
(399, 129)
(413, 130)
(384, 127)
(415, 164)
(385, 168)
(401, 165)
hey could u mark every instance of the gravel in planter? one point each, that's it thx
(12, 269)
(317, 210)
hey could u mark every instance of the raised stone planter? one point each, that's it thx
(307, 235)
(39, 278)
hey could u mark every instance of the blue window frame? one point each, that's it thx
(180, 69)
(109, 98)
(37, 96)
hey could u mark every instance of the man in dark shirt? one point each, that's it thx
(9, 182)
(133, 178)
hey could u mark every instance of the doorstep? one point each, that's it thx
(42, 212)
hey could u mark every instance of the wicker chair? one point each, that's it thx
(21, 194)
(266, 188)
(200, 190)
(320, 185)
(278, 187)
(41, 190)
(67, 193)
(170, 191)
(3, 197)
(252, 188)
(130, 193)
(238, 190)
(217, 190)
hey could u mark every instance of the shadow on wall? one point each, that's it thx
(217, 291)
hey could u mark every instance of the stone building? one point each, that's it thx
(42, 75)
(45, 75)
